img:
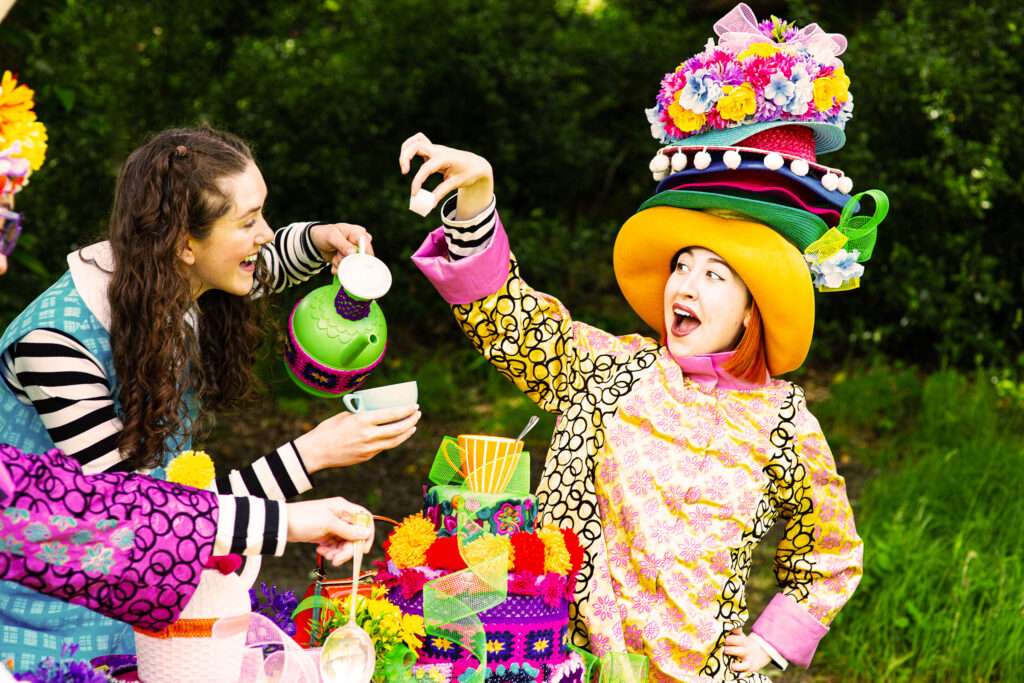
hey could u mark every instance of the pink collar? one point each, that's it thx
(706, 369)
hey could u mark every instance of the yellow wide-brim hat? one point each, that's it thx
(772, 268)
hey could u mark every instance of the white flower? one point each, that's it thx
(836, 270)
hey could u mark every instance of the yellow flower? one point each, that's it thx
(192, 468)
(487, 547)
(685, 119)
(737, 103)
(824, 93)
(758, 50)
(841, 85)
(32, 136)
(556, 555)
(16, 102)
(412, 631)
(410, 540)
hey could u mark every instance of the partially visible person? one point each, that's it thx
(115, 363)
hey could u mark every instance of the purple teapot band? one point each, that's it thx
(349, 307)
(318, 375)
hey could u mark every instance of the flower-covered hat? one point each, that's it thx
(741, 124)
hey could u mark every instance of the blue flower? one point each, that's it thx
(278, 607)
(82, 537)
(98, 559)
(9, 544)
(64, 671)
(803, 91)
(37, 532)
(779, 90)
(63, 522)
(701, 92)
(836, 270)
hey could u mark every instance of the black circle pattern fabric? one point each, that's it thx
(167, 531)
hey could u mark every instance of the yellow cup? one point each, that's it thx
(489, 461)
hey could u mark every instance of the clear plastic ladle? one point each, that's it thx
(348, 655)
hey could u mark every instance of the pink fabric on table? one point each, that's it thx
(707, 369)
(790, 629)
(468, 279)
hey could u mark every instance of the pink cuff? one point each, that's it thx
(6, 484)
(468, 279)
(790, 629)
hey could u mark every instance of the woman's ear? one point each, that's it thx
(187, 254)
(746, 317)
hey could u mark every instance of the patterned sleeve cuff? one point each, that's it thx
(779, 660)
(790, 629)
(469, 279)
(251, 526)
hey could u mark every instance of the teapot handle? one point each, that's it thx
(250, 569)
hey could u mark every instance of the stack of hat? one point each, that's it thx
(742, 124)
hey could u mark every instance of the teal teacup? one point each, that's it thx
(377, 398)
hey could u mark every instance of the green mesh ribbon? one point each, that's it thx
(622, 667)
(447, 463)
(853, 232)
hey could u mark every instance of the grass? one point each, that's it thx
(943, 589)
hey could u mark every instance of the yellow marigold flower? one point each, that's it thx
(737, 103)
(192, 468)
(556, 555)
(410, 540)
(487, 547)
(685, 119)
(758, 50)
(16, 102)
(31, 135)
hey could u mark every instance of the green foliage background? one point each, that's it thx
(552, 92)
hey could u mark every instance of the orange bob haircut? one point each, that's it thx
(749, 363)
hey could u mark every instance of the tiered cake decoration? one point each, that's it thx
(494, 589)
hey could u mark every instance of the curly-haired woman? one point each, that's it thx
(114, 363)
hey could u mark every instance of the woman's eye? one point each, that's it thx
(715, 276)
(682, 267)
(250, 224)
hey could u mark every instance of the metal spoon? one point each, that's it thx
(529, 425)
(348, 655)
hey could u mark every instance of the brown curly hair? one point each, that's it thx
(172, 353)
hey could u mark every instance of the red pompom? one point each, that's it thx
(225, 564)
(444, 554)
(576, 551)
(529, 553)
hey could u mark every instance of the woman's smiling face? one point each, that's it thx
(226, 258)
(707, 306)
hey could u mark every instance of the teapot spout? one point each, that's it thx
(355, 347)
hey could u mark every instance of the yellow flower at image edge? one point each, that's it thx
(192, 468)
(410, 540)
(16, 101)
(737, 103)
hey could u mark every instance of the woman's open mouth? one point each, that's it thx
(684, 321)
(248, 264)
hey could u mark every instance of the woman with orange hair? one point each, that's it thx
(673, 457)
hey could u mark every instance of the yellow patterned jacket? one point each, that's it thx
(670, 482)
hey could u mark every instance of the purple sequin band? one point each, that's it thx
(318, 375)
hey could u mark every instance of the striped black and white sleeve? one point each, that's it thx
(250, 526)
(70, 390)
(292, 257)
(465, 238)
(279, 475)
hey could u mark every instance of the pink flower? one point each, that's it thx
(608, 470)
(649, 567)
(619, 436)
(662, 650)
(570, 588)
(523, 583)
(599, 643)
(658, 451)
(651, 507)
(700, 518)
(604, 607)
(630, 517)
(699, 573)
(667, 419)
(706, 596)
(633, 637)
(640, 483)
(662, 533)
(720, 562)
(639, 542)
(619, 553)
(708, 629)
(717, 488)
(643, 602)
(676, 498)
(411, 582)
(692, 495)
(617, 495)
(552, 589)
(689, 550)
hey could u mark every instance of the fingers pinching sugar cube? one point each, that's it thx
(422, 202)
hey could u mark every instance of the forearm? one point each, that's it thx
(250, 526)
(279, 475)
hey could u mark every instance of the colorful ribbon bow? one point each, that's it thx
(834, 256)
(738, 29)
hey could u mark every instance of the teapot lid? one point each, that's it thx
(364, 276)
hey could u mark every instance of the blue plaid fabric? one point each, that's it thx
(34, 626)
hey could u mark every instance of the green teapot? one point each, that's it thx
(336, 333)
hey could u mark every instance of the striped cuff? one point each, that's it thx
(788, 627)
(465, 238)
(279, 476)
(250, 526)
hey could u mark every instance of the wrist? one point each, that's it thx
(474, 199)
(308, 451)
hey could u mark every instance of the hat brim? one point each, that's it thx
(828, 137)
(755, 168)
(772, 268)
